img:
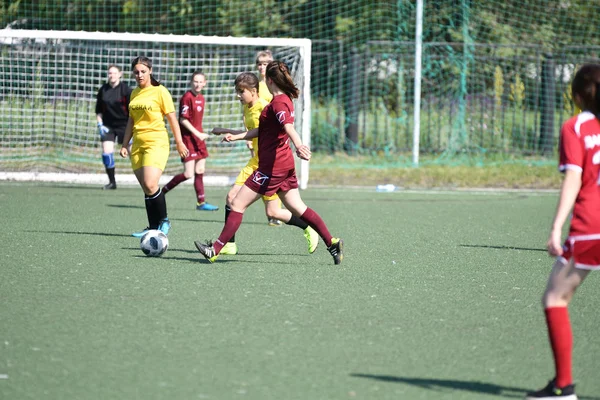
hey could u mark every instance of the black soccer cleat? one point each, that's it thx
(207, 250)
(336, 250)
(553, 392)
(110, 186)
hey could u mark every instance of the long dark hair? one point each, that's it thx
(280, 75)
(586, 85)
(148, 63)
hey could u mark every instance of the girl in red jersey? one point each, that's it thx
(191, 114)
(276, 170)
(580, 192)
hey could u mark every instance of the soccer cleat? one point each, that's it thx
(164, 226)
(229, 248)
(274, 222)
(553, 392)
(140, 233)
(312, 238)
(110, 186)
(207, 250)
(206, 207)
(335, 250)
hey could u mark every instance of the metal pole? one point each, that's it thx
(417, 94)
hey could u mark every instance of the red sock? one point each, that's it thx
(177, 179)
(316, 222)
(234, 220)
(561, 341)
(199, 186)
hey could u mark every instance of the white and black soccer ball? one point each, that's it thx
(154, 243)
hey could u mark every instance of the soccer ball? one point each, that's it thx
(154, 243)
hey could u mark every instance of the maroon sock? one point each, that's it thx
(316, 222)
(561, 341)
(199, 186)
(234, 220)
(177, 179)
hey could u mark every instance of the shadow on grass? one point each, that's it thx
(467, 386)
(502, 247)
(206, 213)
(83, 233)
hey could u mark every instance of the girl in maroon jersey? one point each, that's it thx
(580, 192)
(276, 170)
(191, 114)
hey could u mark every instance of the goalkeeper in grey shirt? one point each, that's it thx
(112, 114)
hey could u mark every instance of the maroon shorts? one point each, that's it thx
(279, 181)
(585, 252)
(197, 148)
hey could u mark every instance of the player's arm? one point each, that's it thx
(249, 144)
(568, 194)
(188, 125)
(301, 150)
(127, 138)
(245, 135)
(222, 131)
(181, 149)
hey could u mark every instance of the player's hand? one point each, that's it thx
(124, 152)
(229, 137)
(249, 145)
(554, 244)
(182, 150)
(219, 131)
(303, 152)
(102, 130)
(202, 136)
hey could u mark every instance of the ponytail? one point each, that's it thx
(280, 74)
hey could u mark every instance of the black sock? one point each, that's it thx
(227, 211)
(150, 213)
(296, 221)
(158, 208)
(111, 174)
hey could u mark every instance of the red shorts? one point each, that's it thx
(279, 181)
(197, 148)
(585, 252)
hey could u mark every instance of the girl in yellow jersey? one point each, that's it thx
(247, 87)
(150, 103)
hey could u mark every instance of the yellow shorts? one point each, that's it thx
(155, 155)
(244, 174)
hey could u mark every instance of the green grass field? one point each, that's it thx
(438, 298)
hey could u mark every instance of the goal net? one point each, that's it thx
(49, 81)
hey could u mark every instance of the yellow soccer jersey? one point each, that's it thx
(251, 117)
(263, 91)
(147, 108)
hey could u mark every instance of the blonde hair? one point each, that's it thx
(264, 54)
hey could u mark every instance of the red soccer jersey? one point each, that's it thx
(580, 151)
(274, 152)
(191, 107)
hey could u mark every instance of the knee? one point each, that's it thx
(200, 171)
(188, 175)
(108, 159)
(553, 298)
(150, 188)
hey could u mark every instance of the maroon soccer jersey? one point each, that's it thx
(580, 150)
(274, 152)
(191, 107)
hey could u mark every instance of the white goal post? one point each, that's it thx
(49, 81)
